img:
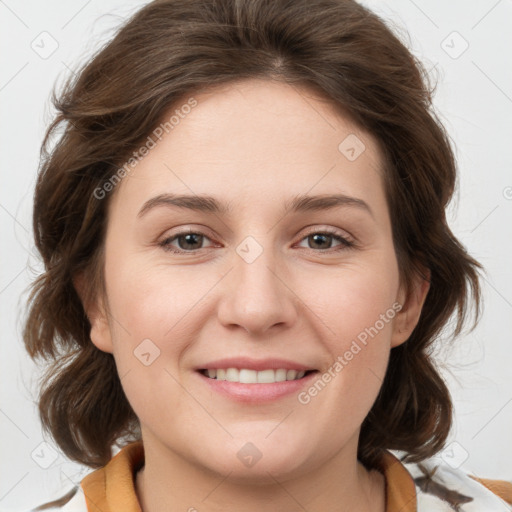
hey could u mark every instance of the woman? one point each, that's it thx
(247, 263)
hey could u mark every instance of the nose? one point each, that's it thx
(258, 296)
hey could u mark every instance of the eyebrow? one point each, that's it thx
(300, 203)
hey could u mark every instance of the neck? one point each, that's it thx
(342, 484)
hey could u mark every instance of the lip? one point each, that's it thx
(256, 393)
(254, 364)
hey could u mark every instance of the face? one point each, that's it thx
(258, 278)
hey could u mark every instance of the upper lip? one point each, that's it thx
(254, 364)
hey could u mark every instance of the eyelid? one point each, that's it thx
(346, 242)
(185, 231)
(329, 230)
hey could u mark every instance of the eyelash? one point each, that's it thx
(345, 244)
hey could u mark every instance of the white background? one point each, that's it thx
(474, 98)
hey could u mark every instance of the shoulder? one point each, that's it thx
(503, 488)
(70, 499)
(119, 472)
(440, 485)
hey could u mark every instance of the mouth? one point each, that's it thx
(253, 387)
(248, 376)
(254, 381)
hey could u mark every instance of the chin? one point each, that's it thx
(256, 462)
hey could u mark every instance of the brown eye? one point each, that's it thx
(190, 241)
(184, 242)
(323, 240)
(320, 241)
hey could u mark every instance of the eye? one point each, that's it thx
(191, 241)
(188, 241)
(320, 239)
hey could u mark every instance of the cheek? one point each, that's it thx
(151, 325)
(146, 311)
(353, 301)
(154, 302)
(357, 314)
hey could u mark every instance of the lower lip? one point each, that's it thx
(257, 393)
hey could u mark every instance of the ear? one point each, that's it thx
(97, 315)
(412, 303)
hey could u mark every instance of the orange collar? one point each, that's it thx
(112, 487)
(400, 487)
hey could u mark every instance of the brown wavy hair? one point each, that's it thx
(168, 50)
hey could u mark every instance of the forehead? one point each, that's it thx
(258, 138)
(266, 111)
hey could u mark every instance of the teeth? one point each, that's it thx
(280, 375)
(246, 376)
(291, 374)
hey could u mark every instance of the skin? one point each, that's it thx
(254, 144)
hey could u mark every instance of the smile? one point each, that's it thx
(255, 386)
(246, 376)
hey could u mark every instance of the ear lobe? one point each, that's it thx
(408, 317)
(96, 313)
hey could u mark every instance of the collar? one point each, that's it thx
(112, 487)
